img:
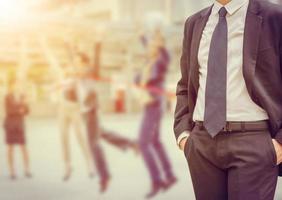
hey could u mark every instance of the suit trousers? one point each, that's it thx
(94, 145)
(232, 165)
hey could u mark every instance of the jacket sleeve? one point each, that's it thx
(159, 72)
(183, 115)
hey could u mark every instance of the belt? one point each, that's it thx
(240, 126)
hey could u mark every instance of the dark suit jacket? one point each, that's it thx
(262, 64)
(15, 112)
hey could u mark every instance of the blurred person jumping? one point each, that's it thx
(87, 94)
(152, 81)
(16, 109)
(70, 116)
(88, 102)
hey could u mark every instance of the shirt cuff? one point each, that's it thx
(182, 136)
(278, 136)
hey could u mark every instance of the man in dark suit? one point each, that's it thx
(228, 118)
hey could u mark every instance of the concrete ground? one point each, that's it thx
(130, 179)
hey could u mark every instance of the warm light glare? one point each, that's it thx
(12, 10)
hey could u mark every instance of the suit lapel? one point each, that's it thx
(252, 34)
(197, 35)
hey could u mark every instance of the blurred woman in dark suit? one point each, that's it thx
(16, 109)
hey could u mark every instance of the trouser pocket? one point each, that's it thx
(272, 150)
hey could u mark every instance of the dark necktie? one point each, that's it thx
(215, 99)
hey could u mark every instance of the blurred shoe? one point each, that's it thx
(28, 175)
(91, 175)
(104, 185)
(67, 175)
(13, 177)
(156, 188)
(170, 182)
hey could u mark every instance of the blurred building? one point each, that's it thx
(34, 36)
(172, 10)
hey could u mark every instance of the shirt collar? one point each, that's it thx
(231, 7)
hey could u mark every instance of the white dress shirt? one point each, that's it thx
(240, 107)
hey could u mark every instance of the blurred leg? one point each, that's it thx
(145, 142)
(96, 150)
(10, 155)
(147, 148)
(25, 160)
(159, 148)
(78, 128)
(64, 123)
(101, 165)
(117, 140)
(162, 155)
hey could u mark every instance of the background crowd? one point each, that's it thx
(87, 93)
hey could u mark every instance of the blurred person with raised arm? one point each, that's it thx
(70, 117)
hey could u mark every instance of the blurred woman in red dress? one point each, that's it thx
(14, 125)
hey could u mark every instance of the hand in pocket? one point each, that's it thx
(278, 150)
(183, 143)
